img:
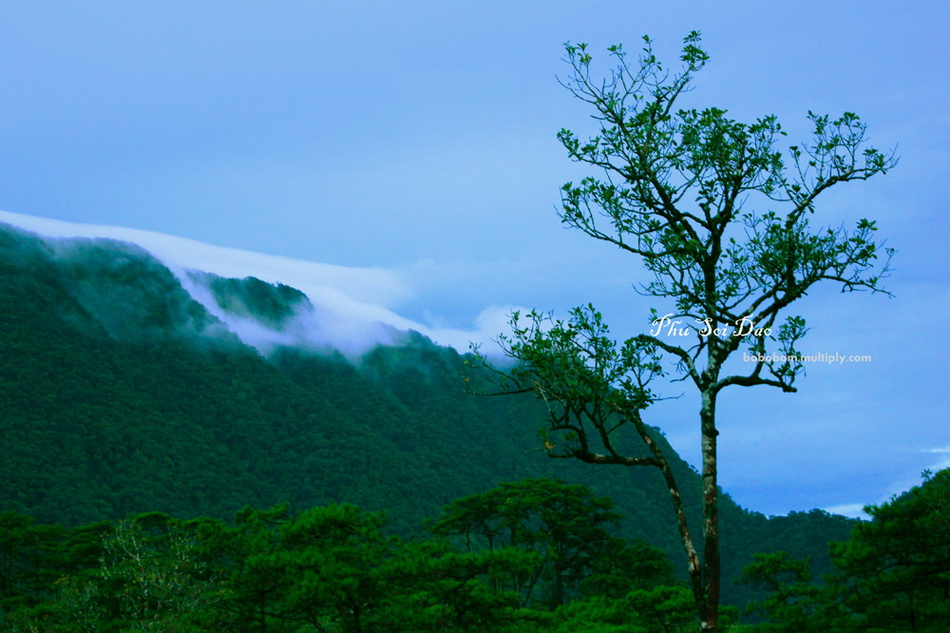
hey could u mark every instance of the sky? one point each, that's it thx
(415, 142)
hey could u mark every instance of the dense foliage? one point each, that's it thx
(892, 574)
(329, 568)
(533, 556)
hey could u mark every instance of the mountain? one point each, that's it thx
(129, 387)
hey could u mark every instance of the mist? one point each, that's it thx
(347, 309)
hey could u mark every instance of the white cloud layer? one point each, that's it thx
(352, 305)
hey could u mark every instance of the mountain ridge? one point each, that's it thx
(354, 302)
(124, 394)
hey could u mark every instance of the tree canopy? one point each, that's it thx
(892, 574)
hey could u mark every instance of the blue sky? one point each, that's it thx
(419, 139)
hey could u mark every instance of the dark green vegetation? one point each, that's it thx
(121, 395)
(254, 299)
(893, 574)
(326, 569)
(528, 557)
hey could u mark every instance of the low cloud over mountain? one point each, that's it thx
(264, 300)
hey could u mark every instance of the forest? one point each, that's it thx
(161, 475)
(529, 556)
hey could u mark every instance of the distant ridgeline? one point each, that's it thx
(124, 389)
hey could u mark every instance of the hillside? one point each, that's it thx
(122, 394)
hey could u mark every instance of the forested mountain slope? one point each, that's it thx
(120, 393)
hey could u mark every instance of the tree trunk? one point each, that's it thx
(710, 610)
(693, 565)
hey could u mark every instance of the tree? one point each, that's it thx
(149, 577)
(336, 556)
(721, 217)
(794, 603)
(564, 525)
(28, 554)
(254, 577)
(152, 575)
(894, 571)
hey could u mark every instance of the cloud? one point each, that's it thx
(853, 510)
(352, 306)
(489, 323)
(376, 285)
(943, 462)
